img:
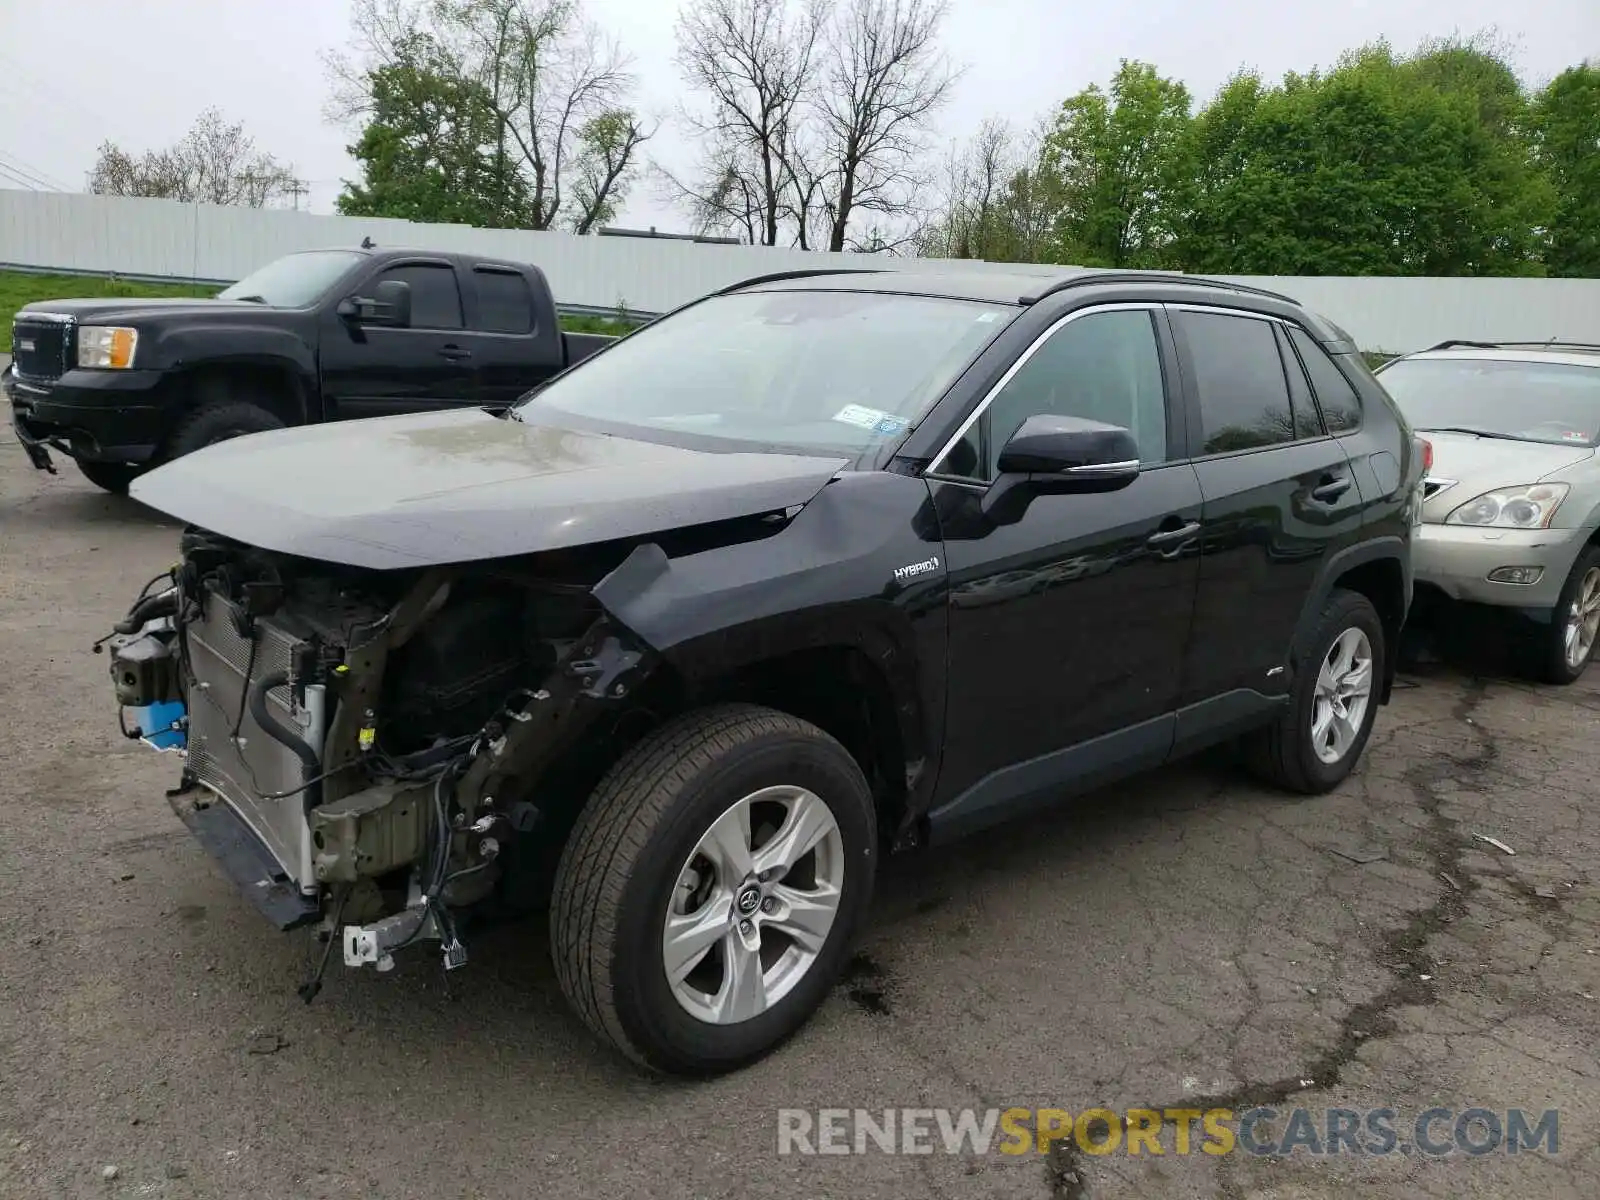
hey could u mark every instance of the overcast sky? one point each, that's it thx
(74, 73)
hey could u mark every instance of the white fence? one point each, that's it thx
(167, 239)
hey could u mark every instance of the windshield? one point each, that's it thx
(294, 281)
(814, 371)
(1525, 401)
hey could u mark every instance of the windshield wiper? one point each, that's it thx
(252, 299)
(1476, 432)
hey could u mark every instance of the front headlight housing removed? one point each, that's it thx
(1528, 507)
(107, 346)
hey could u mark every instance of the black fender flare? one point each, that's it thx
(1388, 547)
(202, 350)
(680, 614)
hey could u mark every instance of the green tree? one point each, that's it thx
(1412, 165)
(529, 86)
(1566, 121)
(1116, 160)
(430, 150)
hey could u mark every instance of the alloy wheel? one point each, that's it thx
(1344, 689)
(1583, 620)
(753, 905)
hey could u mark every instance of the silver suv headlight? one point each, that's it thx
(1528, 507)
(107, 346)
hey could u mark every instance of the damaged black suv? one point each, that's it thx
(818, 567)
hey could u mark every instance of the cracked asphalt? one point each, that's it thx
(1187, 940)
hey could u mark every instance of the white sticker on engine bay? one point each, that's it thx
(876, 420)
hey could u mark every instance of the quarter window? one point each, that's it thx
(1244, 395)
(435, 296)
(1341, 407)
(1105, 366)
(505, 305)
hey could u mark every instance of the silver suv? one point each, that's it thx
(1511, 514)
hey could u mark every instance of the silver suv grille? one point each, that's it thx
(245, 771)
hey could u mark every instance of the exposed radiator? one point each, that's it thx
(243, 772)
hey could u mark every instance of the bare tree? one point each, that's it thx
(753, 60)
(883, 77)
(215, 163)
(557, 86)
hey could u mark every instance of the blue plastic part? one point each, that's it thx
(161, 726)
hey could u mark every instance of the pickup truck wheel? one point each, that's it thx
(710, 890)
(1320, 737)
(1561, 650)
(217, 421)
(110, 476)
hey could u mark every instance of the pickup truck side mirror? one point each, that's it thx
(389, 305)
(1052, 455)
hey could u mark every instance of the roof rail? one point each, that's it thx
(1090, 277)
(806, 273)
(1552, 344)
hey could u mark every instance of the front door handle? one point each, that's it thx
(454, 353)
(1165, 537)
(1331, 487)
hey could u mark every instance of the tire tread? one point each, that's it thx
(612, 833)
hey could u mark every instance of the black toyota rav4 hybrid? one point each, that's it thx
(819, 567)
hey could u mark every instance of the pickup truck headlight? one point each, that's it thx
(1529, 507)
(107, 346)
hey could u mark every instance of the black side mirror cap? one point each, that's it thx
(1053, 455)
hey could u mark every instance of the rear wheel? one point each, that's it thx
(709, 892)
(1321, 735)
(112, 477)
(217, 421)
(1561, 649)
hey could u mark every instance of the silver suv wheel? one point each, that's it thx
(753, 905)
(1343, 691)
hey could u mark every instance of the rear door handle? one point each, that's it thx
(454, 352)
(1165, 537)
(1331, 487)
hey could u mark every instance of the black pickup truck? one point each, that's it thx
(323, 335)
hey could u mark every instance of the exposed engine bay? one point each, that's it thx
(366, 749)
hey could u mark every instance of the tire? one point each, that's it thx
(110, 476)
(632, 849)
(1286, 754)
(216, 421)
(1548, 645)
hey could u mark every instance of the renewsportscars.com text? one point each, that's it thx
(1266, 1132)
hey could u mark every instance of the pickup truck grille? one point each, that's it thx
(243, 773)
(40, 346)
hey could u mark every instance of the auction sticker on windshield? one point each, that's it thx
(882, 423)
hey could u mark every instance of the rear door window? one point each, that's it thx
(1243, 392)
(505, 302)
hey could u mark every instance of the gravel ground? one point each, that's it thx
(1187, 940)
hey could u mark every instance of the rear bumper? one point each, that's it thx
(1458, 560)
(97, 416)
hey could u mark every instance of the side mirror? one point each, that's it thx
(389, 304)
(1051, 455)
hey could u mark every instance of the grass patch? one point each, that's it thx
(23, 287)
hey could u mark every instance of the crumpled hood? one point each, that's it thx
(462, 486)
(1479, 465)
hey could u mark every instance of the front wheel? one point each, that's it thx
(1561, 649)
(710, 890)
(1319, 738)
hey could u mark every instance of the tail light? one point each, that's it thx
(1425, 447)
